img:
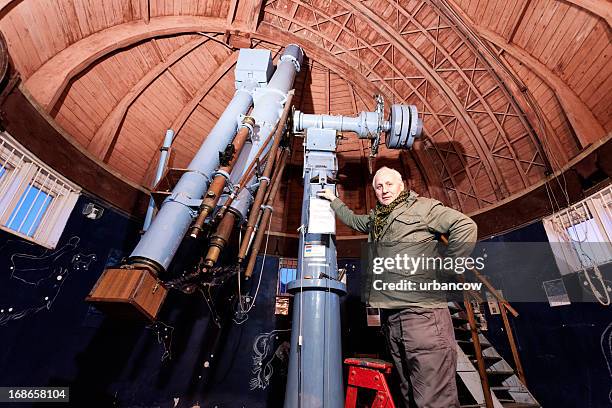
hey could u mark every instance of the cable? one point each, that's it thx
(263, 262)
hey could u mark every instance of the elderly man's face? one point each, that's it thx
(387, 187)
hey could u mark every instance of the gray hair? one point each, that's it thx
(396, 174)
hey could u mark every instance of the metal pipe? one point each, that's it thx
(220, 238)
(402, 127)
(264, 181)
(315, 361)
(266, 214)
(269, 103)
(161, 241)
(249, 175)
(211, 198)
(259, 212)
(161, 167)
(365, 124)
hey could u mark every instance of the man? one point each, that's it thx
(418, 326)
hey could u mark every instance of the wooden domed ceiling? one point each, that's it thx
(509, 91)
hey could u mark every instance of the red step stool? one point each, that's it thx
(368, 373)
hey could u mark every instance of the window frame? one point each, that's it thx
(599, 207)
(26, 171)
(285, 263)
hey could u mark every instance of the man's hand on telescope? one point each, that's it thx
(326, 194)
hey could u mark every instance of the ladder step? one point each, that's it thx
(469, 342)
(462, 330)
(488, 359)
(459, 317)
(501, 388)
(500, 372)
(515, 404)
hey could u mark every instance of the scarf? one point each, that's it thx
(381, 213)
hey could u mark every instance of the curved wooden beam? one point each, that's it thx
(107, 132)
(49, 82)
(601, 8)
(5, 5)
(586, 127)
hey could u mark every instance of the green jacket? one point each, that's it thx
(416, 223)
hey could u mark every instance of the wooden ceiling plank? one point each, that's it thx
(49, 81)
(508, 19)
(492, 13)
(600, 8)
(17, 47)
(556, 24)
(75, 109)
(571, 25)
(30, 44)
(584, 54)
(251, 13)
(537, 23)
(109, 129)
(572, 43)
(596, 89)
(231, 13)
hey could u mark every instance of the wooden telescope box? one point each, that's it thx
(128, 293)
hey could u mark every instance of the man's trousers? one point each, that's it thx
(422, 344)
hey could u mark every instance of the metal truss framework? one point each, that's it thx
(377, 37)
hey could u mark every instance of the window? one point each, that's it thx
(26, 216)
(581, 234)
(35, 202)
(287, 272)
